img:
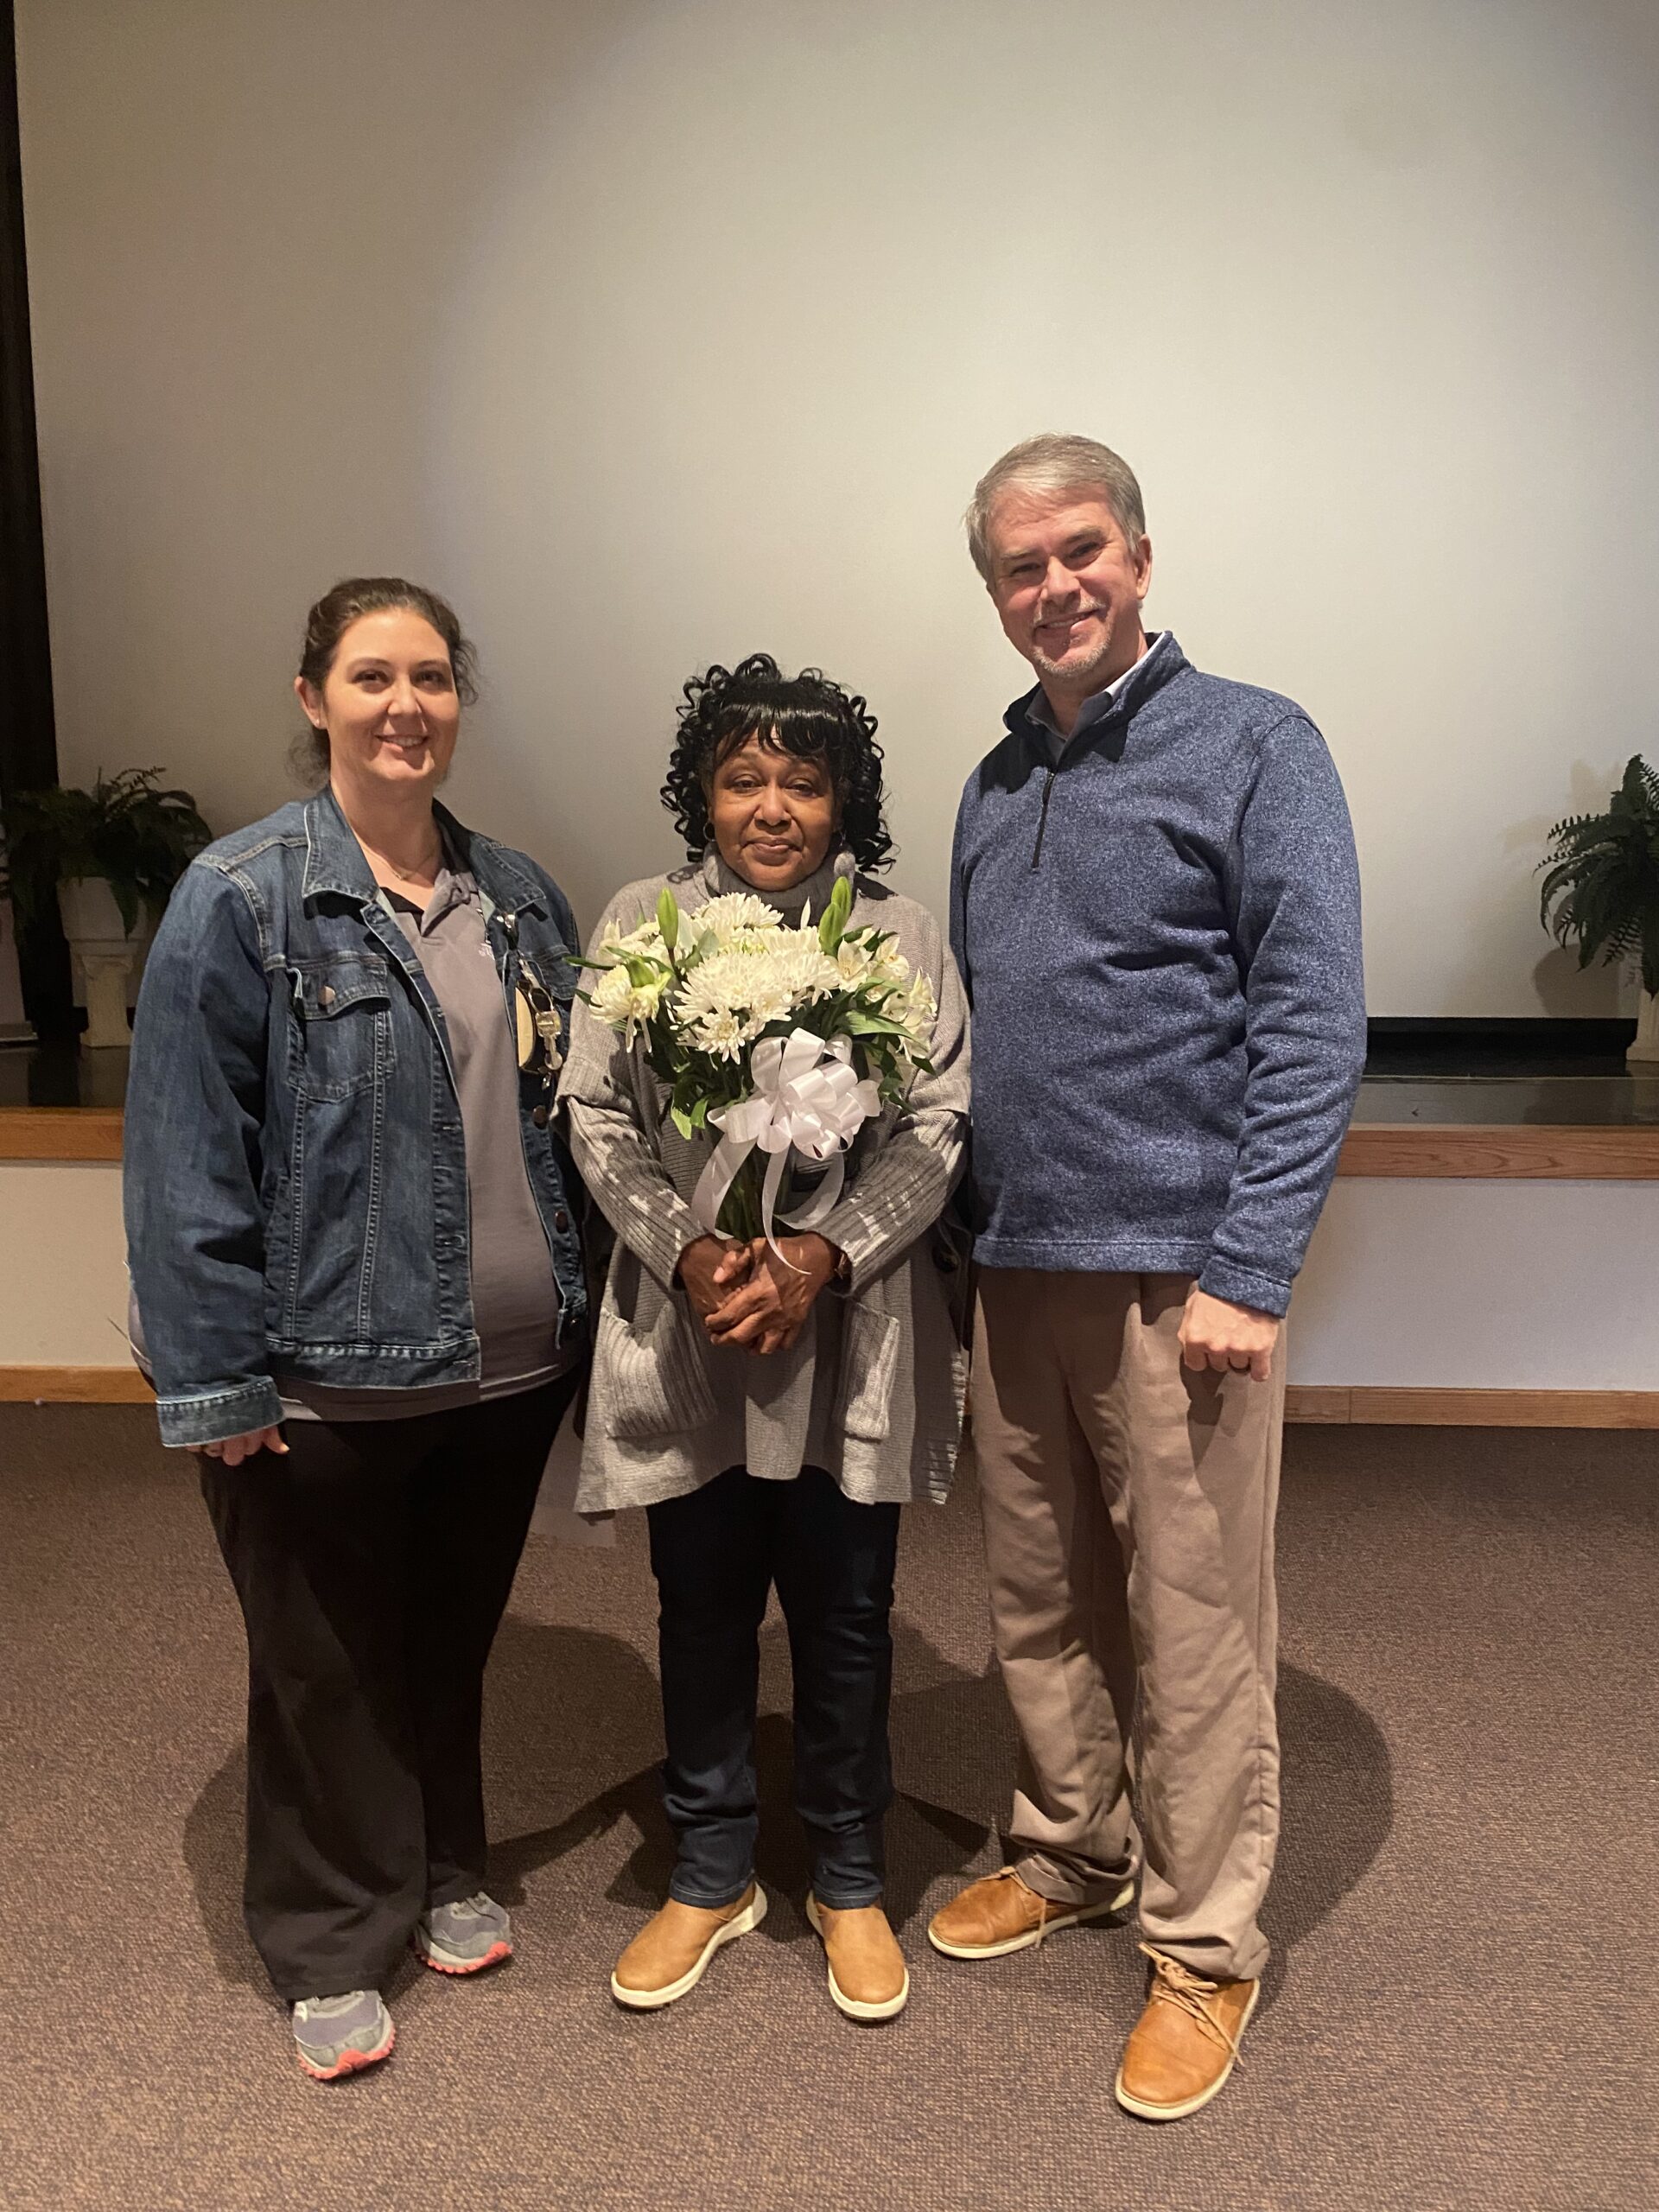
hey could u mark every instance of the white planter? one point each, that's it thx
(1644, 1053)
(103, 954)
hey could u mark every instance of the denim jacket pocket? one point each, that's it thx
(341, 1036)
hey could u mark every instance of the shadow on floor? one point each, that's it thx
(1338, 1808)
(569, 1706)
(926, 1841)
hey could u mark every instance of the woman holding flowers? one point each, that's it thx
(767, 1095)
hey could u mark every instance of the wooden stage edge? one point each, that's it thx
(1521, 1151)
(1363, 1405)
(1340, 1404)
(72, 1133)
(74, 1386)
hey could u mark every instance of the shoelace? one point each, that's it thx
(1174, 1984)
(477, 1905)
(1012, 1874)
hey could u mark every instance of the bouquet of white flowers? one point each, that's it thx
(785, 1041)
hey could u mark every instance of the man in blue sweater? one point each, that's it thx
(1155, 910)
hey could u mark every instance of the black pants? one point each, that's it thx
(374, 1565)
(716, 1554)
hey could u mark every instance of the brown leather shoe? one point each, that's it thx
(999, 1914)
(868, 1980)
(669, 1954)
(1185, 2042)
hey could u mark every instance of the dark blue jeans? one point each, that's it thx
(715, 1555)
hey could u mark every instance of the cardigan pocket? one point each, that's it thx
(869, 1360)
(654, 1382)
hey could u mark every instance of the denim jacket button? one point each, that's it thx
(561, 1220)
(538, 1115)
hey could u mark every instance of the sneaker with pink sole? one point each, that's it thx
(464, 1936)
(334, 2035)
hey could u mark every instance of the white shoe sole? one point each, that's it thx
(1056, 1921)
(1191, 2104)
(651, 2000)
(887, 2008)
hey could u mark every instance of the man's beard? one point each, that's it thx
(1075, 671)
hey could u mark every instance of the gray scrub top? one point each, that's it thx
(515, 1298)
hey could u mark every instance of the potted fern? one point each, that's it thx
(110, 857)
(1602, 888)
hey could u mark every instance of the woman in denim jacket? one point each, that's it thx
(357, 1284)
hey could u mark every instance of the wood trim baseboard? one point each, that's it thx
(74, 1386)
(1365, 1404)
(1519, 1151)
(60, 1132)
(1322, 1403)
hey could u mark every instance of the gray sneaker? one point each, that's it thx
(464, 1937)
(340, 2035)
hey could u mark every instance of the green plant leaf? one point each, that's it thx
(668, 917)
(832, 925)
(136, 836)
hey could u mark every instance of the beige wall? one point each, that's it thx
(657, 334)
(1485, 1285)
(63, 1286)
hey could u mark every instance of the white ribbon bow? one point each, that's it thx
(806, 1096)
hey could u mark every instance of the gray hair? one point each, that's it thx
(1051, 466)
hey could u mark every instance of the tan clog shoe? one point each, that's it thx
(672, 1950)
(868, 1980)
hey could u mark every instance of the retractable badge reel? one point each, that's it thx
(538, 1025)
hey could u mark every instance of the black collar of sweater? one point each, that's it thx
(1146, 679)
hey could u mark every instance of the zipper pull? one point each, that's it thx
(1042, 819)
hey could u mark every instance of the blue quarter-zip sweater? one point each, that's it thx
(1160, 936)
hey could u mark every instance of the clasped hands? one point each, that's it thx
(746, 1296)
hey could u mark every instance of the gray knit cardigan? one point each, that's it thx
(872, 1390)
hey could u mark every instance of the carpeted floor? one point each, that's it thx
(1461, 2010)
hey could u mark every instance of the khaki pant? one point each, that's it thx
(1128, 1509)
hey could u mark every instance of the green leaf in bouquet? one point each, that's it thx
(668, 917)
(833, 925)
(684, 1123)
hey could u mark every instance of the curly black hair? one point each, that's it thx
(805, 715)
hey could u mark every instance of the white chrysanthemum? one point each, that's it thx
(625, 1005)
(805, 967)
(727, 1000)
(722, 1032)
(724, 980)
(736, 919)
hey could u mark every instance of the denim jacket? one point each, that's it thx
(295, 1175)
